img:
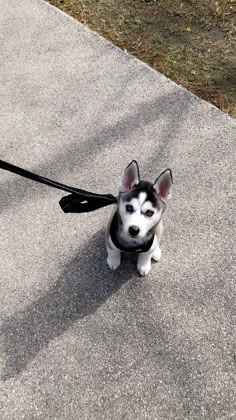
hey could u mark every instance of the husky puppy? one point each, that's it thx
(136, 224)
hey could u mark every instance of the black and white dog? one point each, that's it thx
(136, 225)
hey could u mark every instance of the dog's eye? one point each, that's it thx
(149, 213)
(129, 208)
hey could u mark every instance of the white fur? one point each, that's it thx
(113, 258)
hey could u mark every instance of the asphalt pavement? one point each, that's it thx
(77, 341)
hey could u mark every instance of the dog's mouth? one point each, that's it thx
(135, 240)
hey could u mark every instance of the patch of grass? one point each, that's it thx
(191, 41)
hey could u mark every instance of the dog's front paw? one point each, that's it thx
(144, 269)
(113, 262)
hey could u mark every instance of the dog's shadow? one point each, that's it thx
(84, 285)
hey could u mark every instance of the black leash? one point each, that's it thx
(80, 201)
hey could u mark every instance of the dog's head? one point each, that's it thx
(142, 203)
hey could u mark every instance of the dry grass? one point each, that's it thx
(191, 41)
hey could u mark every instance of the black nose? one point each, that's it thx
(134, 230)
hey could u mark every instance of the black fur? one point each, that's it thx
(143, 186)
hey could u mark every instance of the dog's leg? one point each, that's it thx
(159, 231)
(113, 257)
(156, 256)
(157, 251)
(144, 263)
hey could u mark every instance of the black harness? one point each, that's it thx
(146, 246)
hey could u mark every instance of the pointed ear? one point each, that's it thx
(130, 177)
(163, 185)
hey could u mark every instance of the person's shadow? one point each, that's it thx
(84, 285)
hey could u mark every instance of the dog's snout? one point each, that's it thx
(134, 230)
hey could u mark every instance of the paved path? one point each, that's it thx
(77, 341)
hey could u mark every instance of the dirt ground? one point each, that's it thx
(191, 41)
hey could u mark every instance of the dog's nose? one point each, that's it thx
(134, 230)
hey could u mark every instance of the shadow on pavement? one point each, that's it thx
(84, 285)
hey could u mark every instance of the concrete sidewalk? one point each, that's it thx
(79, 342)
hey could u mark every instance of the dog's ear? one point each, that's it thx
(163, 185)
(130, 177)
